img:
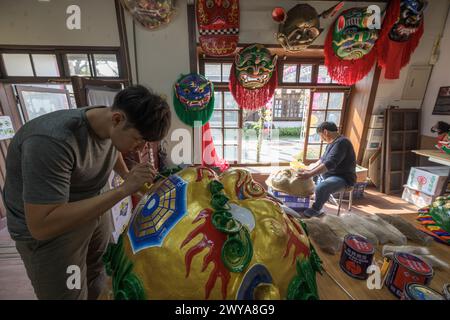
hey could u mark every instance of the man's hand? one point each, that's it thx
(304, 174)
(140, 174)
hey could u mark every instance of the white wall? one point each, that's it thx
(390, 91)
(440, 77)
(32, 22)
(162, 56)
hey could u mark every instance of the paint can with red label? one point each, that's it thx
(356, 257)
(407, 268)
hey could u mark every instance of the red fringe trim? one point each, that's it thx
(210, 158)
(252, 99)
(347, 72)
(393, 55)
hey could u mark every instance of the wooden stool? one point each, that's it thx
(341, 197)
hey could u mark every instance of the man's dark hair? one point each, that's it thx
(330, 126)
(145, 111)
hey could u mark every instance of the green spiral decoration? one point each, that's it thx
(237, 251)
(126, 285)
(303, 286)
(224, 222)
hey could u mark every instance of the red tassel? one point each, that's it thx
(394, 55)
(209, 154)
(252, 99)
(347, 72)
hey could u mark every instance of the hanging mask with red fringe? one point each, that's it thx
(350, 46)
(398, 42)
(218, 26)
(253, 77)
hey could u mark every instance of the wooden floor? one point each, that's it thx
(335, 284)
(14, 282)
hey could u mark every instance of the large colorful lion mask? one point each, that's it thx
(193, 98)
(350, 46)
(196, 235)
(253, 76)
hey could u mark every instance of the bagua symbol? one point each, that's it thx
(74, 20)
(374, 20)
(74, 280)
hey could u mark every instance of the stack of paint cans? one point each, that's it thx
(415, 291)
(356, 257)
(407, 268)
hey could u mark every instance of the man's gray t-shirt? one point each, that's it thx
(55, 158)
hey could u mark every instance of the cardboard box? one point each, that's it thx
(417, 198)
(361, 174)
(429, 180)
(296, 203)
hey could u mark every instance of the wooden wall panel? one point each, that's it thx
(360, 109)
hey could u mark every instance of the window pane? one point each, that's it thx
(336, 100)
(305, 73)
(78, 64)
(106, 65)
(217, 136)
(219, 150)
(218, 100)
(212, 71)
(313, 151)
(231, 136)
(216, 119)
(323, 76)
(39, 103)
(320, 100)
(45, 65)
(231, 153)
(226, 67)
(230, 103)
(17, 64)
(313, 136)
(290, 73)
(231, 119)
(317, 117)
(334, 116)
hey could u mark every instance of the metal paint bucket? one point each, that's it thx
(407, 268)
(415, 291)
(356, 256)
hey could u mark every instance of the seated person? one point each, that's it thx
(337, 167)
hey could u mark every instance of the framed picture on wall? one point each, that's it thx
(442, 105)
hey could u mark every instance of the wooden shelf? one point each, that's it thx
(401, 136)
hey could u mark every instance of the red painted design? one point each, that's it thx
(246, 187)
(210, 173)
(214, 240)
(422, 180)
(294, 240)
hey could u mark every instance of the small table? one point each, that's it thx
(435, 156)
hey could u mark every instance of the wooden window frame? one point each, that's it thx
(61, 57)
(314, 86)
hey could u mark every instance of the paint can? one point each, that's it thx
(415, 291)
(407, 268)
(356, 256)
